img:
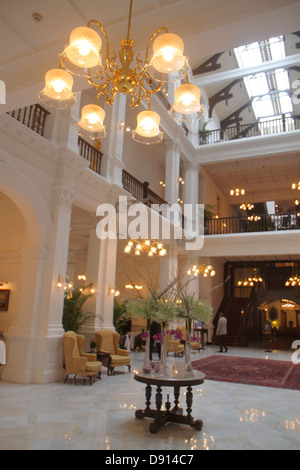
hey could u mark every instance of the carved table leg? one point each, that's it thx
(176, 408)
(140, 414)
(158, 398)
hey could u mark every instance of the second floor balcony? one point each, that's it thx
(250, 224)
(266, 127)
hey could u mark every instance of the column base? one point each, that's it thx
(33, 360)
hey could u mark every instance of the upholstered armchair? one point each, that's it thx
(195, 345)
(174, 345)
(76, 361)
(108, 349)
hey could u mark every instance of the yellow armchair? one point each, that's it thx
(108, 348)
(76, 361)
(174, 345)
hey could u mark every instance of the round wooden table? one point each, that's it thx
(174, 415)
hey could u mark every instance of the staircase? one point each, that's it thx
(231, 308)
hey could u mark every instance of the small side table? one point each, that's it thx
(174, 415)
(102, 355)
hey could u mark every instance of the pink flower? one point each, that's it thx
(158, 337)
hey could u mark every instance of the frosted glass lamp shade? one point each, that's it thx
(168, 62)
(82, 55)
(58, 89)
(147, 130)
(187, 106)
(91, 122)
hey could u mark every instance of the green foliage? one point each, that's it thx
(120, 319)
(73, 315)
(194, 309)
(153, 308)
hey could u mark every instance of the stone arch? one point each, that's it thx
(32, 206)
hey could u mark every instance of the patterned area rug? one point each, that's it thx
(249, 371)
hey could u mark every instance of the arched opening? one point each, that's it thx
(13, 237)
(281, 316)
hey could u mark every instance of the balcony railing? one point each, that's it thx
(33, 116)
(245, 224)
(140, 191)
(262, 128)
(91, 154)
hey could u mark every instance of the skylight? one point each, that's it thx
(268, 91)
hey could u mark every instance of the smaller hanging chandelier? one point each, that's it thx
(247, 207)
(293, 281)
(250, 281)
(148, 247)
(237, 192)
(206, 270)
(296, 186)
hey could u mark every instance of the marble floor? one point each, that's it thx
(102, 417)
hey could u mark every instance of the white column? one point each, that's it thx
(172, 172)
(191, 194)
(168, 267)
(101, 272)
(112, 145)
(60, 128)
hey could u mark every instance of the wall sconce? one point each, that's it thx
(133, 286)
(81, 277)
(2, 283)
(59, 282)
(180, 180)
(114, 291)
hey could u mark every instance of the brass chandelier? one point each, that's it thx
(127, 74)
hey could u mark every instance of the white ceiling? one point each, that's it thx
(31, 48)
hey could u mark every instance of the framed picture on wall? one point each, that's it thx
(4, 300)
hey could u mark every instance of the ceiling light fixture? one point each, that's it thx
(205, 269)
(148, 247)
(126, 74)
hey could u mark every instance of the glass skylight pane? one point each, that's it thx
(263, 107)
(258, 85)
(282, 79)
(285, 103)
(262, 87)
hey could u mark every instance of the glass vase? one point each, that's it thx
(147, 367)
(188, 366)
(163, 351)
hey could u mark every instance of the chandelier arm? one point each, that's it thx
(104, 34)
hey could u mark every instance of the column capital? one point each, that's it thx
(173, 145)
(63, 197)
(191, 166)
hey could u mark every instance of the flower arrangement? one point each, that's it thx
(154, 307)
(158, 338)
(195, 339)
(175, 334)
(194, 309)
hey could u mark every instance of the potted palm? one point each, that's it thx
(73, 315)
